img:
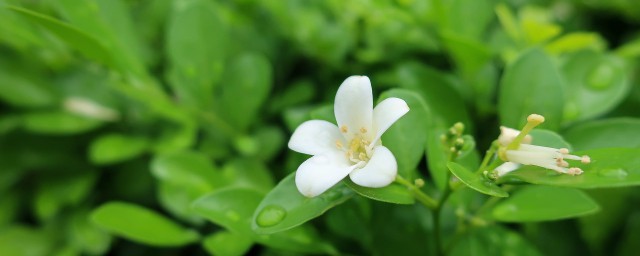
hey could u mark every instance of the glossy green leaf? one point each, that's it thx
(142, 225)
(531, 85)
(576, 41)
(284, 207)
(607, 133)
(110, 22)
(542, 137)
(227, 243)
(406, 137)
(242, 95)
(609, 167)
(177, 199)
(493, 240)
(87, 236)
(233, 208)
(394, 193)
(596, 83)
(58, 123)
(188, 169)
(114, 148)
(248, 173)
(270, 140)
(544, 203)
(324, 112)
(75, 38)
(196, 44)
(476, 181)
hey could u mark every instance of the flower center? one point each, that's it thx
(359, 148)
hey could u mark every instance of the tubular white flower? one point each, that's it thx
(353, 147)
(520, 152)
(545, 157)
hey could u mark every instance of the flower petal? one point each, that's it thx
(386, 113)
(354, 106)
(315, 137)
(321, 172)
(380, 171)
(505, 168)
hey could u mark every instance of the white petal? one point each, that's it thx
(508, 134)
(315, 137)
(380, 171)
(386, 113)
(506, 167)
(321, 172)
(354, 106)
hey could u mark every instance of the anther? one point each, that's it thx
(344, 129)
(363, 130)
(339, 144)
(563, 151)
(574, 171)
(585, 159)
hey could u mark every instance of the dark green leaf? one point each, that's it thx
(531, 85)
(114, 148)
(394, 193)
(227, 243)
(406, 137)
(58, 123)
(188, 169)
(142, 225)
(596, 83)
(543, 203)
(476, 181)
(284, 207)
(493, 240)
(609, 167)
(607, 133)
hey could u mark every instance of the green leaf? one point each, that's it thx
(576, 41)
(393, 193)
(233, 208)
(86, 44)
(476, 182)
(607, 133)
(24, 90)
(531, 84)
(56, 192)
(250, 173)
(596, 83)
(87, 236)
(324, 112)
(542, 137)
(227, 243)
(142, 225)
(270, 140)
(493, 240)
(114, 148)
(543, 203)
(406, 137)
(111, 23)
(196, 44)
(177, 199)
(187, 169)
(58, 123)
(609, 167)
(284, 207)
(22, 240)
(242, 95)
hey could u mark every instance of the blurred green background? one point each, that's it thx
(143, 106)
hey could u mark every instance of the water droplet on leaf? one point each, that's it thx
(270, 215)
(613, 173)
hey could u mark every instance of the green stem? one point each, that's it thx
(423, 198)
(490, 152)
(438, 211)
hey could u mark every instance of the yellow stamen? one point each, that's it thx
(344, 129)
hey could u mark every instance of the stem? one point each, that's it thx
(492, 150)
(423, 198)
(438, 211)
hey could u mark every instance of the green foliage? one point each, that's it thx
(165, 123)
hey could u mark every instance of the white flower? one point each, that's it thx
(355, 148)
(522, 153)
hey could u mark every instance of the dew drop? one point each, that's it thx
(601, 77)
(613, 173)
(270, 215)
